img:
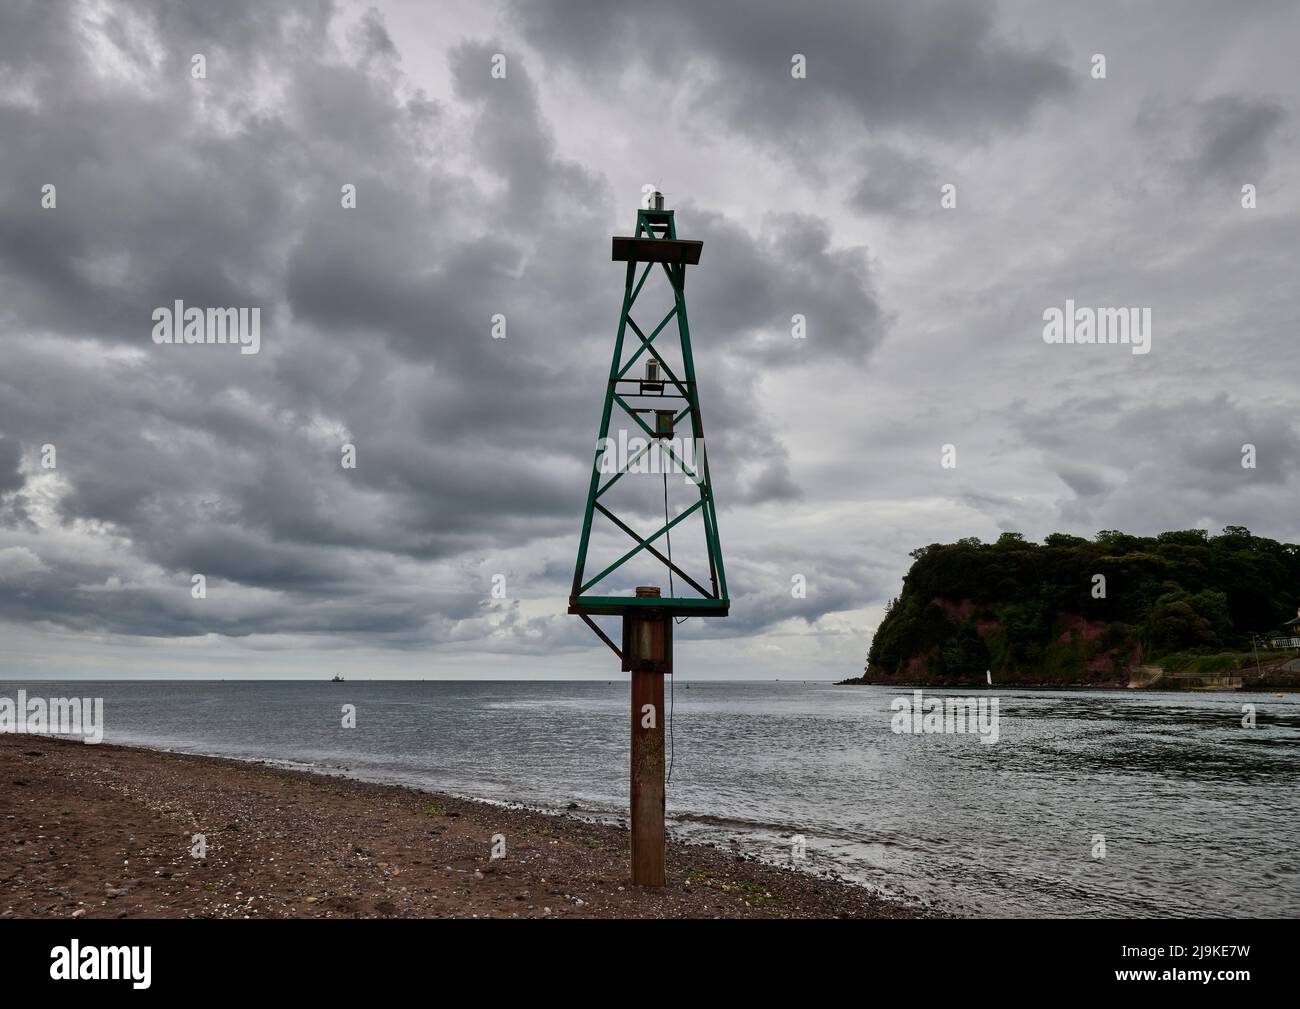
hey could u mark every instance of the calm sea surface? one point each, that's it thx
(1199, 815)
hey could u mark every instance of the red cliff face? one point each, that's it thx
(1077, 654)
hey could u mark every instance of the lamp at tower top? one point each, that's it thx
(657, 201)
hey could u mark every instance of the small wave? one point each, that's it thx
(736, 822)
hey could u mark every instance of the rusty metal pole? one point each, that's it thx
(648, 845)
(648, 656)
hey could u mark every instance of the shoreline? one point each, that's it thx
(107, 830)
(1083, 687)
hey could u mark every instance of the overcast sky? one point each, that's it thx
(481, 194)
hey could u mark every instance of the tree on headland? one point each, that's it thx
(1072, 609)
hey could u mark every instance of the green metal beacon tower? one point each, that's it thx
(661, 401)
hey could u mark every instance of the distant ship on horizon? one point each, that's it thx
(337, 678)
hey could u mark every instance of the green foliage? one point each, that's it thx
(963, 655)
(1181, 620)
(1029, 611)
(1186, 662)
(1063, 540)
(1191, 664)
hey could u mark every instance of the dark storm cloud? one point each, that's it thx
(1082, 482)
(1182, 460)
(511, 136)
(794, 584)
(376, 326)
(154, 204)
(941, 67)
(754, 288)
(1232, 136)
(894, 183)
(1224, 139)
(56, 598)
(198, 190)
(11, 478)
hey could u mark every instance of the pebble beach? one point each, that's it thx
(105, 831)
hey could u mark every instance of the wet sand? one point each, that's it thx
(107, 832)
